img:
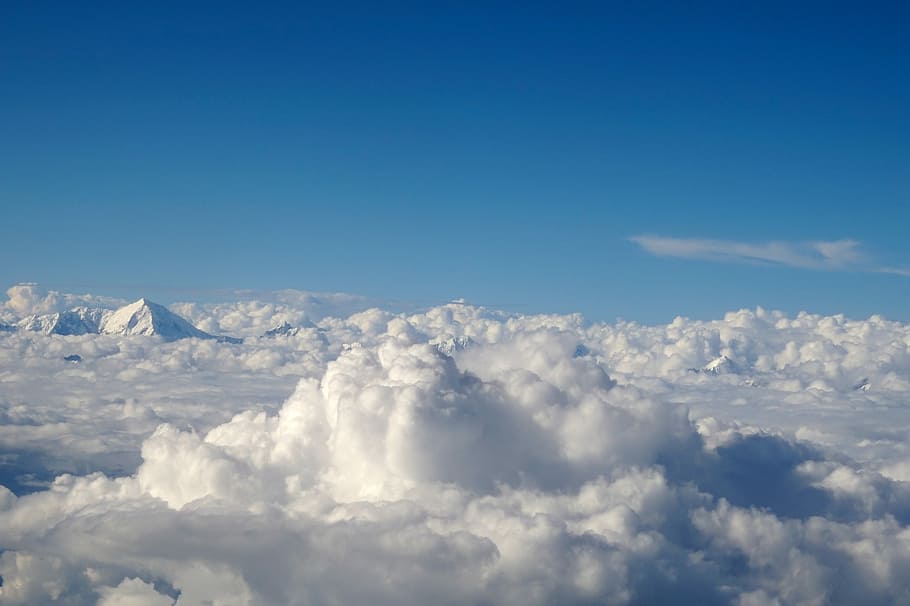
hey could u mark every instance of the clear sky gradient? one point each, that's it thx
(513, 154)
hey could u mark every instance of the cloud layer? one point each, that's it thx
(459, 455)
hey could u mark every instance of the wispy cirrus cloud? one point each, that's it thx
(819, 255)
(897, 271)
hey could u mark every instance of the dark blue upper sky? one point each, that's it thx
(501, 152)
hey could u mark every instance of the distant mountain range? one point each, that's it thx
(142, 317)
(77, 321)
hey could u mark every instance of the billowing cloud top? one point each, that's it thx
(29, 298)
(458, 455)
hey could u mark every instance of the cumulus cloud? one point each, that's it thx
(252, 313)
(460, 455)
(30, 298)
(133, 592)
(826, 255)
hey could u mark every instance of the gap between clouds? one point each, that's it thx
(833, 255)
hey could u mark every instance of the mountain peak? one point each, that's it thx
(144, 317)
(720, 365)
(283, 330)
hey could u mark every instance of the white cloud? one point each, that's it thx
(544, 461)
(29, 298)
(825, 255)
(133, 592)
(897, 271)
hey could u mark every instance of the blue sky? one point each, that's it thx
(631, 160)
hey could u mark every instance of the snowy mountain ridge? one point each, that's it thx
(720, 365)
(285, 329)
(142, 317)
(76, 321)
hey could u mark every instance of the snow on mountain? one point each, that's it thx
(143, 317)
(77, 321)
(448, 346)
(720, 365)
(282, 330)
(286, 329)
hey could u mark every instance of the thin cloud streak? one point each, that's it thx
(896, 271)
(843, 255)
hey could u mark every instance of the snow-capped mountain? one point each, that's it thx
(77, 321)
(448, 346)
(720, 365)
(282, 330)
(143, 317)
(286, 329)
